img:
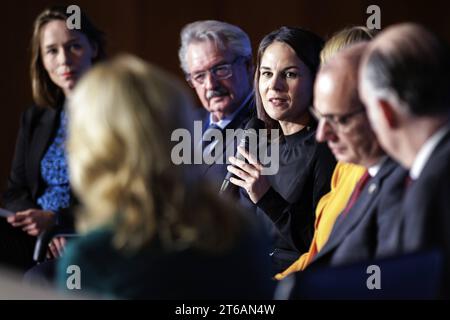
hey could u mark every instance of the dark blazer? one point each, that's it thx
(389, 216)
(426, 207)
(354, 236)
(25, 184)
(216, 172)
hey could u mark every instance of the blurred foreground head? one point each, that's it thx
(122, 115)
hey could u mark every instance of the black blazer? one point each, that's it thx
(426, 210)
(354, 237)
(25, 184)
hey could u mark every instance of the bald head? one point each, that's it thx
(411, 64)
(349, 57)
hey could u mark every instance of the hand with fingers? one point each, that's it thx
(249, 174)
(56, 247)
(32, 221)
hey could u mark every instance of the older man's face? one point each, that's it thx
(219, 96)
(343, 122)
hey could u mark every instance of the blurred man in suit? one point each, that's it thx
(216, 58)
(344, 125)
(405, 82)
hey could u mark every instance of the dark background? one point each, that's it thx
(151, 29)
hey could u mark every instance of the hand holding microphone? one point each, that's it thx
(247, 175)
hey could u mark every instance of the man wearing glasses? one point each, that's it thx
(361, 231)
(216, 58)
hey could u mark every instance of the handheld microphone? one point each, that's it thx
(250, 129)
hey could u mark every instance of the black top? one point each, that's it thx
(216, 172)
(304, 176)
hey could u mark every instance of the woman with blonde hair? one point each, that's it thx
(150, 231)
(344, 38)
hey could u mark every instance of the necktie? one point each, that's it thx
(357, 192)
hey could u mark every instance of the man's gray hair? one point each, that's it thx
(226, 36)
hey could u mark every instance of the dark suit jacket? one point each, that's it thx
(216, 172)
(241, 272)
(389, 216)
(292, 200)
(25, 184)
(426, 208)
(354, 236)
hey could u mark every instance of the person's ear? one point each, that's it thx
(388, 112)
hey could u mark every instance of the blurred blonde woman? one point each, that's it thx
(150, 232)
(345, 175)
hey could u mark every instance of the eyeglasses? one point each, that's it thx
(219, 72)
(338, 122)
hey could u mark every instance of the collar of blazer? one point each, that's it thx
(363, 207)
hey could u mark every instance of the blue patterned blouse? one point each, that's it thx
(54, 171)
